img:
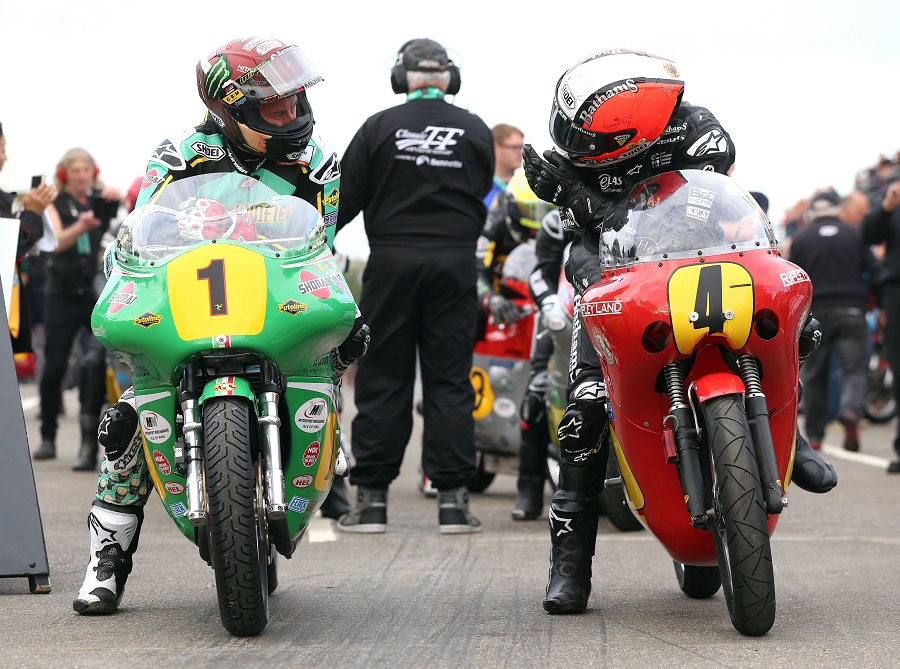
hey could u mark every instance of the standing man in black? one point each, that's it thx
(418, 172)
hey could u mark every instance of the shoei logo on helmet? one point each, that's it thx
(567, 96)
(587, 115)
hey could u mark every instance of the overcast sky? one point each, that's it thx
(807, 90)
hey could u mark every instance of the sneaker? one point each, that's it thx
(894, 467)
(426, 487)
(851, 432)
(453, 512)
(370, 514)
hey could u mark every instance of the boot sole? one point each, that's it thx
(518, 514)
(459, 529)
(94, 608)
(368, 528)
(554, 606)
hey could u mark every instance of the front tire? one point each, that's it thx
(237, 547)
(741, 532)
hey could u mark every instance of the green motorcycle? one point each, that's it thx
(225, 301)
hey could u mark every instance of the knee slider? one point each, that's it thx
(581, 432)
(119, 432)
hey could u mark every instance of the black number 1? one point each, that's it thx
(214, 273)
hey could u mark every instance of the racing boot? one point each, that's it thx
(114, 534)
(87, 454)
(336, 504)
(574, 514)
(352, 349)
(811, 472)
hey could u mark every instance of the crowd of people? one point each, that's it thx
(425, 174)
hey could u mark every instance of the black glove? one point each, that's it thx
(503, 311)
(551, 182)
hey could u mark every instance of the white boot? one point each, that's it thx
(114, 538)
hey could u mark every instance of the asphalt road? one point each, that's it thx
(414, 598)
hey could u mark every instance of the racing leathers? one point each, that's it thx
(123, 486)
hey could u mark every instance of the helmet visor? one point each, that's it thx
(579, 143)
(286, 71)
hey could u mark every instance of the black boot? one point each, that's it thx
(530, 501)
(114, 534)
(336, 504)
(46, 451)
(532, 461)
(87, 454)
(811, 472)
(573, 533)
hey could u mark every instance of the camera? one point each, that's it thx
(104, 209)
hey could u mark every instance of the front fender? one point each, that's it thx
(228, 386)
(716, 384)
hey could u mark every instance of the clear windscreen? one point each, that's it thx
(227, 206)
(682, 214)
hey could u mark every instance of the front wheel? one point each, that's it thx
(741, 532)
(237, 544)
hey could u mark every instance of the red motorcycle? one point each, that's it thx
(696, 320)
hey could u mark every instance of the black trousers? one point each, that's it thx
(425, 301)
(890, 302)
(67, 317)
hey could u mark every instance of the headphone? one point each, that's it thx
(398, 74)
(63, 177)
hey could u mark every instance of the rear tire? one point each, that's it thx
(697, 582)
(237, 547)
(741, 534)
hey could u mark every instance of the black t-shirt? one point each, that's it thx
(419, 173)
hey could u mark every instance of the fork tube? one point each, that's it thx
(763, 446)
(271, 423)
(687, 446)
(192, 431)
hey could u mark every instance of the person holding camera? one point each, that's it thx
(80, 215)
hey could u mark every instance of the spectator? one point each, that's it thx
(882, 224)
(854, 208)
(840, 267)
(31, 228)
(508, 144)
(419, 173)
(70, 297)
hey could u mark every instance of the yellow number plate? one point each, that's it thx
(217, 289)
(484, 396)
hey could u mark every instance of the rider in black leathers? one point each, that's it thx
(617, 118)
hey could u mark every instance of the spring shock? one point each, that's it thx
(761, 433)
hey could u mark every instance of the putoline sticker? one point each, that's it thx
(312, 415)
(156, 428)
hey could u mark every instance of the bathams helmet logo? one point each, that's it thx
(218, 74)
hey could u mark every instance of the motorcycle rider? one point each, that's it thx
(515, 219)
(617, 118)
(259, 123)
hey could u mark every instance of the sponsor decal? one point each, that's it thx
(179, 510)
(607, 181)
(174, 488)
(292, 307)
(124, 297)
(436, 162)
(221, 341)
(697, 213)
(312, 415)
(208, 151)
(267, 46)
(334, 275)
(225, 387)
(152, 178)
(701, 197)
(505, 407)
(162, 464)
(311, 284)
(233, 96)
(303, 481)
(793, 277)
(156, 428)
(634, 170)
(311, 454)
(567, 96)
(712, 142)
(613, 307)
(434, 139)
(167, 154)
(599, 98)
(298, 504)
(217, 76)
(331, 200)
(147, 319)
(671, 70)
(327, 171)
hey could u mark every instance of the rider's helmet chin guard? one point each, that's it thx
(523, 210)
(613, 105)
(236, 79)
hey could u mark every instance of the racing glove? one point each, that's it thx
(551, 182)
(502, 310)
(554, 315)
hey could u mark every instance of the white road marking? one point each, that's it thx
(861, 458)
(320, 529)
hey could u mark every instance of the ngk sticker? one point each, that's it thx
(156, 429)
(312, 415)
(311, 454)
(162, 464)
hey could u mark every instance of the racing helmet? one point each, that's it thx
(236, 79)
(204, 218)
(613, 105)
(523, 210)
